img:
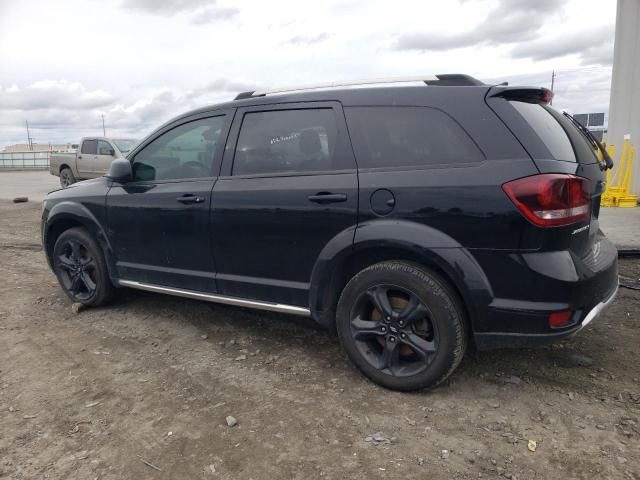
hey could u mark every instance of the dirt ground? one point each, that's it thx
(141, 389)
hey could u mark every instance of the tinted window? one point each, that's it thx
(104, 148)
(585, 150)
(548, 130)
(408, 136)
(89, 147)
(286, 141)
(187, 151)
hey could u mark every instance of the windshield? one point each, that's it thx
(124, 144)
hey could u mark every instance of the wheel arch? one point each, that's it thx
(66, 215)
(409, 242)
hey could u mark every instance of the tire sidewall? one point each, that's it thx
(448, 321)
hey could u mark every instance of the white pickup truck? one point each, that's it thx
(93, 159)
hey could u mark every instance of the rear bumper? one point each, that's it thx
(490, 341)
(528, 287)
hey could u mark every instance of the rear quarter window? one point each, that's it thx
(408, 137)
(548, 130)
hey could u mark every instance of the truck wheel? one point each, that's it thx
(79, 264)
(66, 177)
(402, 325)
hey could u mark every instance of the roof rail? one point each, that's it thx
(454, 79)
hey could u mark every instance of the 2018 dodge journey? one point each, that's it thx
(413, 219)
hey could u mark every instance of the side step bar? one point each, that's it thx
(238, 302)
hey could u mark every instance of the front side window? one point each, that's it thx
(280, 141)
(408, 137)
(104, 148)
(90, 147)
(187, 151)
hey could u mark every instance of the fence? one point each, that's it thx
(26, 160)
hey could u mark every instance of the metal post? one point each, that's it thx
(104, 133)
(29, 136)
(553, 81)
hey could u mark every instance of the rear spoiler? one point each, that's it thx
(523, 94)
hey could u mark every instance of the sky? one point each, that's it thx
(138, 63)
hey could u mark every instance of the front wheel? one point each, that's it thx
(66, 177)
(79, 264)
(402, 325)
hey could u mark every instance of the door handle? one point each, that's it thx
(327, 197)
(188, 198)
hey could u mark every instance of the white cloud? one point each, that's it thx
(52, 94)
(141, 62)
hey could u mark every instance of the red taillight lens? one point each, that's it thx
(551, 199)
(560, 319)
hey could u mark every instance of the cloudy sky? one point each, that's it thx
(140, 62)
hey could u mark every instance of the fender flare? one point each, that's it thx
(425, 244)
(67, 210)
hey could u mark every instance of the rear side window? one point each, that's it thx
(89, 147)
(548, 129)
(408, 137)
(279, 141)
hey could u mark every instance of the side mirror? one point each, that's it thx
(120, 171)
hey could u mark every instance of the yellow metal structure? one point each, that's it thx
(617, 193)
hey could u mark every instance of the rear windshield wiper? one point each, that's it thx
(608, 161)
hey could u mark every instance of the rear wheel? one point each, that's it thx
(79, 264)
(402, 325)
(66, 177)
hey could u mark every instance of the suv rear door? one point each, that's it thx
(86, 158)
(556, 146)
(288, 186)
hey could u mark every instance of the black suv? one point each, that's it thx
(412, 219)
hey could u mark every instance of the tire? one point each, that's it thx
(66, 177)
(422, 338)
(79, 265)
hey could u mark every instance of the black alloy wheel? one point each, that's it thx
(77, 269)
(79, 265)
(402, 325)
(392, 328)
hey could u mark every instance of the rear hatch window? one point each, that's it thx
(562, 139)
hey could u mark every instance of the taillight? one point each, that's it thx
(552, 199)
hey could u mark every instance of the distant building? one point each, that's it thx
(24, 147)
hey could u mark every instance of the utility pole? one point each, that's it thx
(104, 132)
(29, 142)
(553, 81)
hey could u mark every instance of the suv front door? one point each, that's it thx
(159, 222)
(288, 186)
